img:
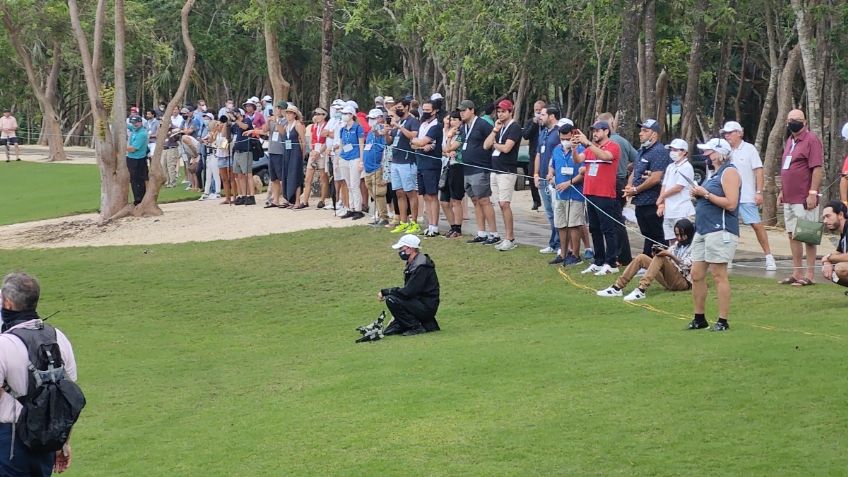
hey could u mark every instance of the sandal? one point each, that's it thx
(284, 206)
(299, 206)
(804, 282)
(270, 205)
(321, 204)
(788, 281)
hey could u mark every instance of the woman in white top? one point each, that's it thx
(220, 135)
(674, 202)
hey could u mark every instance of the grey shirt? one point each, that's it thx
(628, 155)
(276, 139)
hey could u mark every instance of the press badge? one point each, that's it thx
(395, 142)
(288, 144)
(786, 161)
(496, 153)
(593, 169)
(275, 137)
(542, 149)
(566, 171)
(368, 147)
(347, 147)
(464, 146)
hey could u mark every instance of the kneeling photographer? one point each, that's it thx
(414, 305)
(670, 267)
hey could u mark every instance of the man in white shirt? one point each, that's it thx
(8, 134)
(747, 160)
(20, 293)
(674, 202)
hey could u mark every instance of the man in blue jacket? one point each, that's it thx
(137, 158)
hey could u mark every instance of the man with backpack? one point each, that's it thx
(34, 442)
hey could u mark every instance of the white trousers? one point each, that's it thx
(351, 172)
(212, 174)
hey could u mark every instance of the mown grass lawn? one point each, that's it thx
(35, 191)
(238, 359)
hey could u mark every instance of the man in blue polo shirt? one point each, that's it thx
(137, 158)
(548, 140)
(646, 182)
(375, 144)
(569, 204)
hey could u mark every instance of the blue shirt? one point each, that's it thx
(548, 139)
(195, 124)
(565, 169)
(711, 218)
(374, 147)
(402, 152)
(138, 140)
(651, 159)
(240, 142)
(350, 141)
(432, 160)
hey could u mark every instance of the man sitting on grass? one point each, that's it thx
(835, 265)
(413, 306)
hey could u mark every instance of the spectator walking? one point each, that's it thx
(9, 135)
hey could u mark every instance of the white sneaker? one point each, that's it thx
(592, 269)
(640, 273)
(547, 250)
(609, 292)
(636, 294)
(506, 245)
(341, 212)
(329, 206)
(606, 270)
(771, 265)
(203, 197)
(213, 196)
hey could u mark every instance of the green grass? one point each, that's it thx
(35, 191)
(199, 360)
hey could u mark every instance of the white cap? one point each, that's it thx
(388, 99)
(253, 99)
(348, 110)
(352, 104)
(338, 102)
(436, 96)
(408, 240)
(378, 100)
(266, 98)
(715, 144)
(249, 101)
(731, 126)
(678, 144)
(845, 131)
(375, 113)
(563, 121)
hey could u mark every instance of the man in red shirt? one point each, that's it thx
(800, 178)
(600, 161)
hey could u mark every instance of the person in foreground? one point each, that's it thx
(20, 293)
(834, 265)
(670, 267)
(414, 305)
(716, 233)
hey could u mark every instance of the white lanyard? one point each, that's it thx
(794, 143)
(469, 129)
(503, 132)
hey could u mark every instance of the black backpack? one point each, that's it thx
(53, 402)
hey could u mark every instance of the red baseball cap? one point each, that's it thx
(505, 104)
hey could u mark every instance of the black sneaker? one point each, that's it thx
(720, 326)
(250, 200)
(492, 240)
(697, 325)
(414, 331)
(348, 214)
(556, 261)
(357, 215)
(394, 328)
(239, 200)
(476, 239)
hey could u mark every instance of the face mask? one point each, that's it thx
(566, 144)
(372, 122)
(646, 143)
(399, 112)
(347, 118)
(403, 255)
(337, 116)
(425, 116)
(537, 115)
(795, 127)
(675, 155)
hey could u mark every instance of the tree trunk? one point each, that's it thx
(149, 204)
(628, 75)
(807, 42)
(721, 83)
(650, 66)
(777, 135)
(51, 119)
(279, 85)
(326, 53)
(662, 102)
(689, 122)
(774, 75)
(643, 87)
(737, 101)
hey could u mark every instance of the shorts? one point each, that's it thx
(454, 188)
(749, 213)
(316, 162)
(711, 248)
(275, 167)
(502, 186)
(11, 141)
(405, 176)
(225, 162)
(569, 213)
(243, 162)
(477, 185)
(428, 181)
(793, 212)
(668, 227)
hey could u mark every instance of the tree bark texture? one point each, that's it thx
(689, 122)
(326, 53)
(279, 85)
(807, 43)
(650, 66)
(628, 87)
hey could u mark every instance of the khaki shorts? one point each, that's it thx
(793, 212)
(317, 162)
(502, 186)
(569, 213)
(243, 162)
(711, 248)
